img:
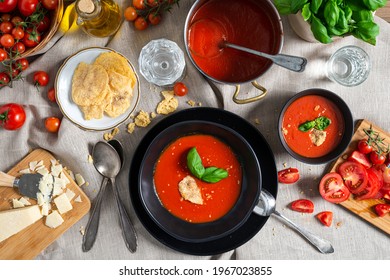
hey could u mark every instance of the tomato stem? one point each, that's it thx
(376, 141)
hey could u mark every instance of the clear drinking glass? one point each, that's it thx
(162, 62)
(348, 66)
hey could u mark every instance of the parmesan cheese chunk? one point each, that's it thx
(79, 180)
(16, 203)
(70, 194)
(190, 191)
(317, 137)
(63, 204)
(15, 220)
(25, 201)
(54, 219)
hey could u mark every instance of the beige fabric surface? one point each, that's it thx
(354, 239)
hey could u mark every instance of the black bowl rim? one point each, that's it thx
(348, 126)
(199, 232)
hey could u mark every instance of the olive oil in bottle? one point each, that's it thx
(99, 18)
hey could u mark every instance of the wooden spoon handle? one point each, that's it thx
(6, 180)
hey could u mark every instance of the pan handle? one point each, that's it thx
(251, 99)
(6, 180)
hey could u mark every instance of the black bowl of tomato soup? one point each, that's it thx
(315, 126)
(214, 209)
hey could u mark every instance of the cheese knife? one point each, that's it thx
(28, 184)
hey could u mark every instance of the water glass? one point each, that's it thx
(162, 62)
(348, 66)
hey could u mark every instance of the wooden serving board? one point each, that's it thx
(28, 243)
(364, 208)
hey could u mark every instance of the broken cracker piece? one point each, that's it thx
(190, 191)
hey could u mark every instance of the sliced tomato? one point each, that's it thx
(288, 176)
(354, 176)
(361, 158)
(385, 194)
(325, 217)
(382, 209)
(303, 205)
(332, 188)
(373, 186)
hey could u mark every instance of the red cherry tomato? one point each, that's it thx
(354, 176)
(139, 4)
(41, 78)
(140, 23)
(52, 124)
(3, 55)
(6, 27)
(51, 95)
(12, 116)
(382, 209)
(130, 13)
(8, 5)
(325, 217)
(27, 7)
(31, 38)
(377, 158)
(4, 79)
(180, 89)
(364, 147)
(288, 176)
(303, 205)
(50, 4)
(16, 20)
(154, 19)
(7, 41)
(332, 188)
(21, 64)
(44, 24)
(19, 48)
(17, 32)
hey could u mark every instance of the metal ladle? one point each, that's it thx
(266, 206)
(108, 163)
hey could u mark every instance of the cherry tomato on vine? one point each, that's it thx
(139, 4)
(3, 55)
(153, 3)
(140, 23)
(27, 7)
(52, 124)
(5, 17)
(51, 95)
(180, 89)
(31, 38)
(154, 19)
(17, 32)
(14, 72)
(21, 64)
(19, 48)
(41, 78)
(377, 158)
(12, 116)
(364, 147)
(44, 24)
(16, 20)
(130, 13)
(8, 5)
(7, 41)
(4, 79)
(6, 27)
(50, 4)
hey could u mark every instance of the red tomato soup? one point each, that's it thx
(308, 108)
(218, 197)
(248, 23)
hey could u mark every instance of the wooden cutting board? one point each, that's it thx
(30, 242)
(364, 208)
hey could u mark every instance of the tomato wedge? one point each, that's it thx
(325, 217)
(373, 186)
(332, 188)
(288, 176)
(354, 176)
(382, 209)
(361, 158)
(303, 205)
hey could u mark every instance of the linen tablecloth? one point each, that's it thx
(353, 238)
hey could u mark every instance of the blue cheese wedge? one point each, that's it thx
(15, 220)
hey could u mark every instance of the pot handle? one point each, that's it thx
(251, 99)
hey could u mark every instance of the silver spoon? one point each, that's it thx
(108, 163)
(266, 207)
(294, 63)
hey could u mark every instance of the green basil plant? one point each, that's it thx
(329, 18)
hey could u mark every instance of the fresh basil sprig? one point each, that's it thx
(330, 18)
(320, 123)
(210, 174)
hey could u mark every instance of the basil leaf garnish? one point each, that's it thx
(322, 123)
(210, 174)
(306, 126)
(214, 174)
(194, 163)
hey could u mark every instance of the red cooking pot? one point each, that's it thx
(249, 23)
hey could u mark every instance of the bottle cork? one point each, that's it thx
(86, 6)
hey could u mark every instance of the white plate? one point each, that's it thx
(63, 86)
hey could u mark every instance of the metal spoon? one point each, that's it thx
(294, 63)
(108, 163)
(266, 206)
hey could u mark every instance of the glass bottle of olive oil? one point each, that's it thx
(99, 18)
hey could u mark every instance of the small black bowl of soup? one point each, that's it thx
(199, 180)
(315, 126)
